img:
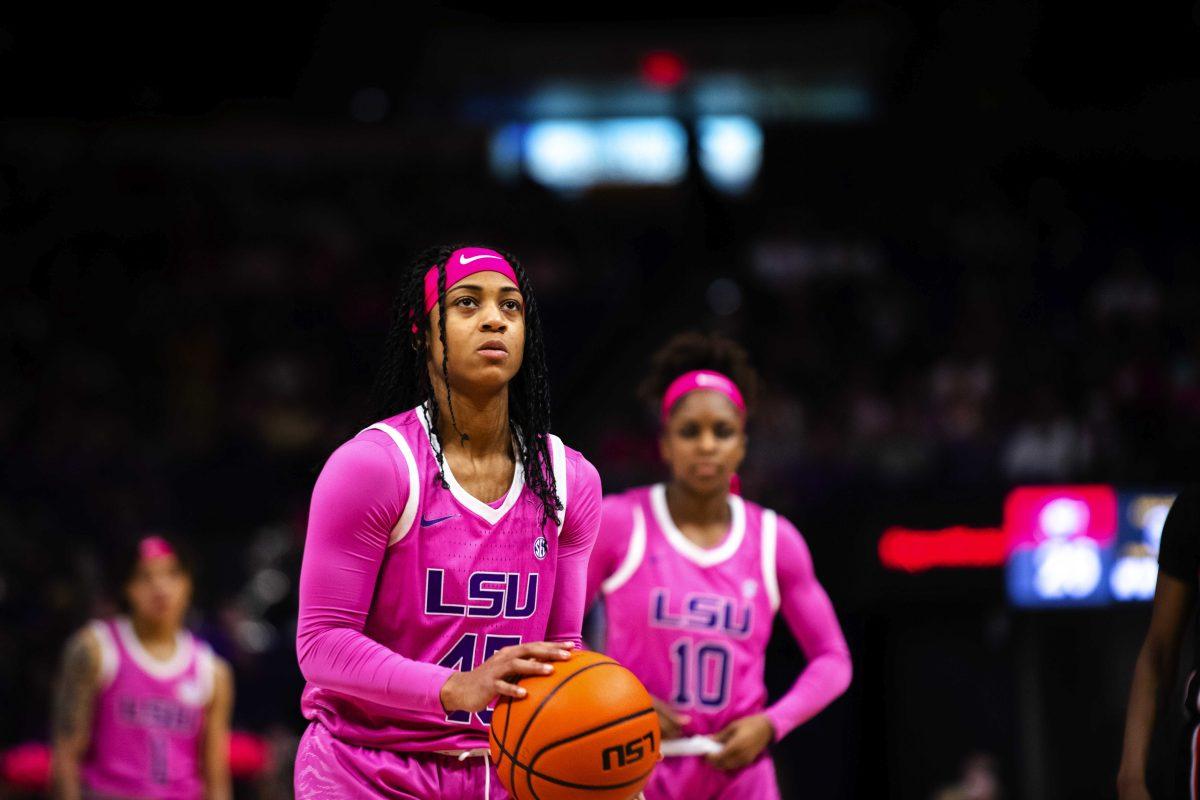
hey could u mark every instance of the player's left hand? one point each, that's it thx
(744, 739)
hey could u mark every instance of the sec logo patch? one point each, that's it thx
(539, 548)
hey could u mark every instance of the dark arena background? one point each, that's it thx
(959, 241)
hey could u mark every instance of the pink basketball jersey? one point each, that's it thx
(460, 579)
(693, 623)
(148, 716)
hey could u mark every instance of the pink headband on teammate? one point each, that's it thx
(461, 263)
(701, 379)
(153, 547)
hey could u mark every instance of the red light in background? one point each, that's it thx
(1032, 513)
(663, 69)
(955, 547)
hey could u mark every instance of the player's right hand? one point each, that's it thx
(474, 690)
(669, 720)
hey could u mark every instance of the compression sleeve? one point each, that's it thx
(574, 548)
(811, 618)
(356, 501)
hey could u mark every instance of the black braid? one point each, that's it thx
(462, 437)
(403, 379)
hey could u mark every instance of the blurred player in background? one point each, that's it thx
(691, 577)
(447, 545)
(142, 707)
(1154, 675)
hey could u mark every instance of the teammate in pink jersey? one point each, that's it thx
(142, 707)
(691, 576)
(447, 545)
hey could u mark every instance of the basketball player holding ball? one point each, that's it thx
(447, 545)
(142, 707)
(691, 576)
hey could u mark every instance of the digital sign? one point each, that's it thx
(1082, 545)
(1139, 530)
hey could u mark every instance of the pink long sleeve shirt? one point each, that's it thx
(693, 623)
(404, 582)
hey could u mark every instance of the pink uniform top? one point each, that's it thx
(404, 582)
(693, 623)
(148, 717)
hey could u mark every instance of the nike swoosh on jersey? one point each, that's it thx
(425, 523)
(464, 260)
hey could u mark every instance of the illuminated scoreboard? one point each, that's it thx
(1082, 545)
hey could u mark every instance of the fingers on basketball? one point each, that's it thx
(587, 730)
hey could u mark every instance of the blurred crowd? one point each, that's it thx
(187, 340)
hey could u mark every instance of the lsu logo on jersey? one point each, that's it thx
(489, 594)
(163, 713)
(699, 611)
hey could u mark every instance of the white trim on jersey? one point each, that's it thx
(110, 657)
(770, 540)
(469, 501)
(633, 554)
(409, 515)
(172, 667)
(705, 557)
(558, 460)
(205, 671)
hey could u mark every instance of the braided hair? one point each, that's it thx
(403, 379)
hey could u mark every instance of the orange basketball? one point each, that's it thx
(586, 731)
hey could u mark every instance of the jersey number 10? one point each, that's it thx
(702, 674)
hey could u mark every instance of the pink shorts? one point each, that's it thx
(329, 769)
(691, 778)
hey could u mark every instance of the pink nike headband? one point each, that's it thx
(461, 263)
(701, 379)
(153, 547)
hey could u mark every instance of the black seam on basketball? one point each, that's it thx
(512, 775)
(531, 773)
(535, 774)
(529, 783)
(532, 762)
(585, 786)
(582, 734)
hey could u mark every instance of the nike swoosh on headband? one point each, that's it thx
(464, 260)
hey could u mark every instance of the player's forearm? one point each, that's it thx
(218, 785)
(1152, 678)
(825, 678)
(71, 715)
(65, 783)
(352, 663)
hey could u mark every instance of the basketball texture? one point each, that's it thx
(586, 731)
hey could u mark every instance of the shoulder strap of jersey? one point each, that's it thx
(770, 538)
(110, 656)
(634, 553)
(205, 670)
(558, 459)
(409, 515)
